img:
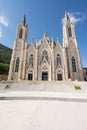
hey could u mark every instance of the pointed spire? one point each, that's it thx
(58, 40)
(67, 16)
(24, 20)
(32, 41)
(37, 40)
(45, 34)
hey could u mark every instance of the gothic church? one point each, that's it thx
(46, 60)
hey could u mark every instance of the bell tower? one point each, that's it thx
(22, 31)
(68, 31)
(16, 64)
(74, 65)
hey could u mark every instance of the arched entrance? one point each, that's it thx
(59, 77)
(30, 76)
(45, 71)
(59, 74)
(44, 75)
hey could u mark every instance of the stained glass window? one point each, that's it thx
(31, 60)
(73, 64)
(45, 55)
(58, 59)
(20, 33)
(17, 64)
(69, 32)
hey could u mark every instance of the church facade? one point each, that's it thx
(46, 60)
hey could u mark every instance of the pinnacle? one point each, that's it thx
(24, 20)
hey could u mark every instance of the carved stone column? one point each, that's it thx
(12, 63)
(21, 63)
(24, 63)
(35, 66)
(65, 67)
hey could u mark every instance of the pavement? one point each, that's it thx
(38, 106)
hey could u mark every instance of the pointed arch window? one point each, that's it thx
(20, 33)
(45, 55)
(31, 60)
(69, 32)
(73, 64)
(17, 64)
(58, 59)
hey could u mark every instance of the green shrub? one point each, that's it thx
(7, 87)
(5, 54)
(4, 68)
(77, 87)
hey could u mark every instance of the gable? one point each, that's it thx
(44, 45)
(31, 48)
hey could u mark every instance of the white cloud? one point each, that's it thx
(3, 20)
(0, 32)
(76, 17)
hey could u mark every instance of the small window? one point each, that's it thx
(69, 32)
(73, 64)
(58, 59)
(17, 64)
(20, 33)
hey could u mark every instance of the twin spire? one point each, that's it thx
(67, 17)
(24, 20)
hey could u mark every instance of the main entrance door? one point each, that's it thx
(59, 76)
(30, 76)
(44, 76)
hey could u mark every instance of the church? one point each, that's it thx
(46, 60)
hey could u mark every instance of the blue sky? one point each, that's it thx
(43, 15)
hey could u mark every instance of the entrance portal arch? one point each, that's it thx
(44, 72)
(44, 75)
(59, 75)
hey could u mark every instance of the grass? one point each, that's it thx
(77, 87)
(7, 87)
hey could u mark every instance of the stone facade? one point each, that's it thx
(46, 60)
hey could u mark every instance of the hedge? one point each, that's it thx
(4, 68)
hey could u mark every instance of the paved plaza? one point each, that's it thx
(45, 107)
